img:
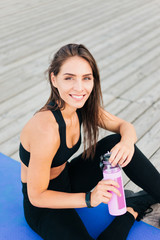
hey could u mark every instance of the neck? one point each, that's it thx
(68, 112)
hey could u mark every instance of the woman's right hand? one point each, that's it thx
(102, 192)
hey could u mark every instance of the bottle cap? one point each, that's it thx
(106, 165)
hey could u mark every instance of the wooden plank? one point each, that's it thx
(19, 99)
(58, 21)
(149, 143)
(17, 6)
(133, 111)
(117, 106)
(131, 68)
(20, 110)
(143, 86)
(27, 51)
(148, 119)
(45, 13)
(151, 96)
(118, 47)
(20, 87)
(120, 43)
(131, 57)
(15, 126)
(135, 16)
(125, 84)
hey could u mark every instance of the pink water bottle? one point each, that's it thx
(117, 205)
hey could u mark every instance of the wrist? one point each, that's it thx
(128, 140)
(88, 199)
(128, 133)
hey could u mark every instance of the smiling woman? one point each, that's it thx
(53, 186)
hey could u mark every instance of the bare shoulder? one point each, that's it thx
(41, 126)
(43, 121)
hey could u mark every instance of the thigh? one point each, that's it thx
(142, 172)
(86, 173)
(60, 224)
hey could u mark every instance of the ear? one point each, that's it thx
(53, 79)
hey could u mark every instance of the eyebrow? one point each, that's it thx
(87, 74)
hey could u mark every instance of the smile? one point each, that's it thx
(77, 97)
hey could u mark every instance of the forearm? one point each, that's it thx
(128, 133)
(55, 199)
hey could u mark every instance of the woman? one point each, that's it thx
(52, 186)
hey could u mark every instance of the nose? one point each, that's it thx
(78, 85)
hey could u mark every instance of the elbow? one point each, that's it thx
(34, 201)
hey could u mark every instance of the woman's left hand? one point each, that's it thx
(121, 154)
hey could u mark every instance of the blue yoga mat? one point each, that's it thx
(14, 227)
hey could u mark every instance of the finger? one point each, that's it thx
(113, 189)
(127, 161)
(114, 152)
(111, 185)
(125, 164)
(105, 200)
(115, 162)
(110, 182)
(117, 158)
(123, 159)
(107, 194)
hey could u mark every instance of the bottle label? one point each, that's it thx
(121, 200)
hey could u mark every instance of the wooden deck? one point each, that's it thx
(123, 36)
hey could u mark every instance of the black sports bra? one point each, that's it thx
(63, 153)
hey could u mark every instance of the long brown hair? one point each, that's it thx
(91, 108)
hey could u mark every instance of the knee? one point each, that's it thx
(115, 138)
(109, 142)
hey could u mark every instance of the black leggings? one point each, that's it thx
(81, 176)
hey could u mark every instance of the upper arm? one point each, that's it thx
(44, 143)
(109, 121)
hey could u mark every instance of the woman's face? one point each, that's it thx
(74, 81)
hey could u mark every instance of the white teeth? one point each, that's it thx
(77, 97)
